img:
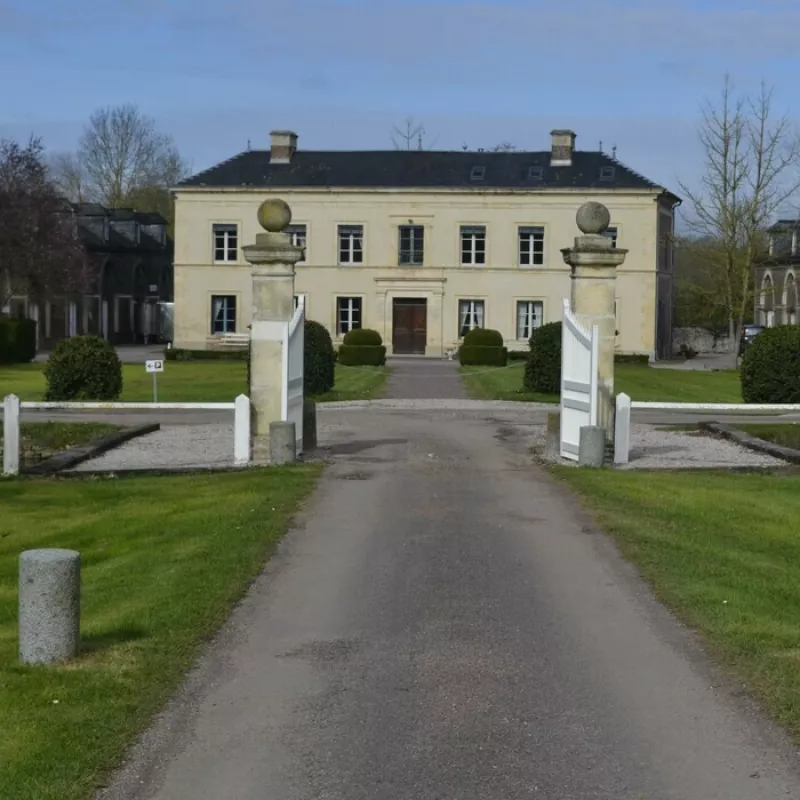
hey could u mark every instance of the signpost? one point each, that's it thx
(155, 367)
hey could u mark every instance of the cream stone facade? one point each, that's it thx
(422, 308)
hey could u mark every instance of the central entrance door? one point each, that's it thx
(409, 325)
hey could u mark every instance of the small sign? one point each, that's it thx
(154, 366)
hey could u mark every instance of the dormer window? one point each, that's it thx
(535, 173)
(477, 173)
(607, 173)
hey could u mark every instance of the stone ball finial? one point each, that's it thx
(593, 217)
(274, 215)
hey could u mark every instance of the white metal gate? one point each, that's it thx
(293, 349)
(579, 355)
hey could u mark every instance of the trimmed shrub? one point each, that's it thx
(319, 358)
(17, 341)
(483, 347)
(631, 358)
(543, 368)
(483, 355)
(771, 366)
(363, 337)
(179, 354)
(483, 337)
(517, 355)
(356, 355)
(83, 368)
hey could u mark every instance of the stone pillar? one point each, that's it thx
(594, 263)
(272, 257)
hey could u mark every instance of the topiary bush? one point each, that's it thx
(318, 359)
(483, 347)
(362, 348)
(543, 367)
(17, 340)
(83, 368)
(483, 337)
(771, 366)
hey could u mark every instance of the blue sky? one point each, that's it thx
(215, 74)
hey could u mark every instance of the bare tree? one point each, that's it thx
(752, 167)
(69, 177)
(411, 137)
(504, 147)
(122, 153)
(41, 254)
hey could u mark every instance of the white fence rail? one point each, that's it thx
(579, 400)
(293, 354)
(12, 406)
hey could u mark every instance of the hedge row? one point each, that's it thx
(17, 341)
(319, 359)
(181, 354)
(771, 366)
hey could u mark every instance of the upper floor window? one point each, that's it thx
(531, 246)
(226, 242)
(529, 317)
(351, 244)
(470, 315)
(411, 245)
(473, 244)
(223, 313)
(297, 233)
(612, 234)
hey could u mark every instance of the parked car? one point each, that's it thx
(749, 332)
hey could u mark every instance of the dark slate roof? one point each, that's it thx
(418, 169)
(784, 225)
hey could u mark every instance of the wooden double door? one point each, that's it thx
(409, 325)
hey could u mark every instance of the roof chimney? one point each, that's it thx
(563, 146)
(283, 146)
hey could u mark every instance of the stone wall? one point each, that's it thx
(700, 339)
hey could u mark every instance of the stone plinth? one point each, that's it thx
(594, 261)
(272, 257)
(49, 605)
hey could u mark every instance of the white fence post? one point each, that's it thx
(622, 430)
(241, 431)
(11, 435)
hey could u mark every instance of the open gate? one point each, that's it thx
(293, 350)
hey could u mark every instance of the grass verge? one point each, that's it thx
(213, 381)
(164, 560)
(786, 434)
(41, 440)
(722, 551)
(639, 381)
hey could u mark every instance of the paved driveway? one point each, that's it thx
(443, 624)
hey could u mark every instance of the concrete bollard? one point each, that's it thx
(309, 425)
(622, 429)
(49, 605)
(554, 433)
(282, 443)
(592, 446)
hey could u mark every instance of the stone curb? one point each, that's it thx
(753, 442)
(77, 455)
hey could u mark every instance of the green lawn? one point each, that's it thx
(164, 560)
(213, 381)
(639, 381)
(723, 551)
(783, 433)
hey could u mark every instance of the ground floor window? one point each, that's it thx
(223, 313)
(470, 315)
(348, 314)
(529, 317)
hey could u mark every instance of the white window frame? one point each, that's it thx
(228, 233)
(473, 245)
(299, 236)
(224, 298)
(528, 320)
(411, 251)
(612, 232)
(349, 313)
(531, 235)
(471, 315)
(348, 236)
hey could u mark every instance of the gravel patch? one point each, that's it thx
(173, 447)
(437, 405)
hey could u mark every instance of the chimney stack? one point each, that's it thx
(563, 146)
(283, 146)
